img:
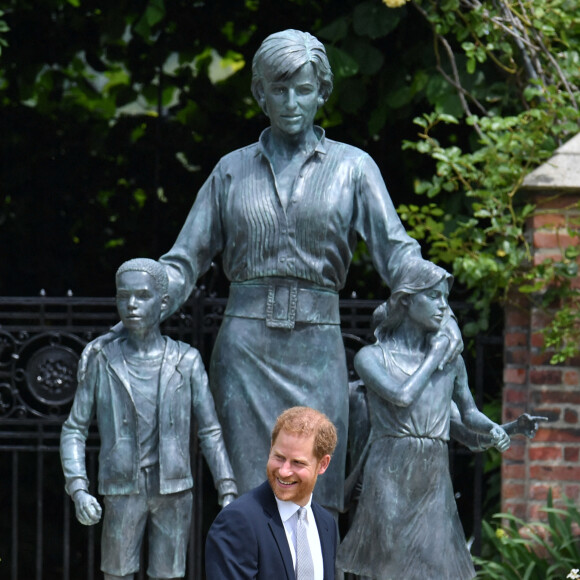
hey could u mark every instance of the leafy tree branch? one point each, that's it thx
(535, 45)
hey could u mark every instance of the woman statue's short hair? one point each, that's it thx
(281, 54)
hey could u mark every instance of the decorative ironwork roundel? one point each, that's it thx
(51, 374)
(6, 399)
(7, 349)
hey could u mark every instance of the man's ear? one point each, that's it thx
(323, 464)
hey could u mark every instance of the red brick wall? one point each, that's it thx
(533, 385)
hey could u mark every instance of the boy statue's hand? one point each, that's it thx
(88, 510)
(226, 499)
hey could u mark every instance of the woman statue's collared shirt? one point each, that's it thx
(338, 193)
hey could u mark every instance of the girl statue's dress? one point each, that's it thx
(406, 525)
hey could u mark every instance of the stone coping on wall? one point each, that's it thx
(561, 172)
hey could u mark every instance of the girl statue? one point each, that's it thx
(406, 524)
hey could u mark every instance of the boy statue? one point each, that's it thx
(142, 387)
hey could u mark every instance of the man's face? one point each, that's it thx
(139, 302)
(292, 103)
(428, 308)
(292, 467)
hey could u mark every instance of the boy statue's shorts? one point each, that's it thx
(168, 518)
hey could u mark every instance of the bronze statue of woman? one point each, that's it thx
(284, 213)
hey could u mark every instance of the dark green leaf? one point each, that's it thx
(374, 19)
(343, 65)
(334, 31)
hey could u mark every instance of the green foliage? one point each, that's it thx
(483, 235)
(3, 30)
(136, 102)
(554, 286)
(516, 550)
(114, 113)
(372, 20)
(475, 217)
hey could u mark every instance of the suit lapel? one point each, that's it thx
(277, 528)
(326, 541)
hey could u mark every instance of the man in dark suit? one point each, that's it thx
(275, 531)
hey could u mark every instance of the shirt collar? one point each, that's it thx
(265, 136)
(288, 508)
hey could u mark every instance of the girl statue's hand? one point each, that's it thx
(439, 346)
(451, 330)
(500, 438)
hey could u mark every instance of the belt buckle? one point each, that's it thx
(281, 305)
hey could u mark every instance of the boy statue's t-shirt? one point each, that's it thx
(144, 374)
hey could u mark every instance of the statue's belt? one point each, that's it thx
(283, 303)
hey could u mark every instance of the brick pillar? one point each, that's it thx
(533, 385)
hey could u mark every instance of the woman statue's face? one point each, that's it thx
(292, 103)
(428, 307)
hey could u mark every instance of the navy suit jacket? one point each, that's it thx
(247, 540)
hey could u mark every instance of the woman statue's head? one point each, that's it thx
(282, 54)
(416, 276)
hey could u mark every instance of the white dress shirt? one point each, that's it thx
(289, 515)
